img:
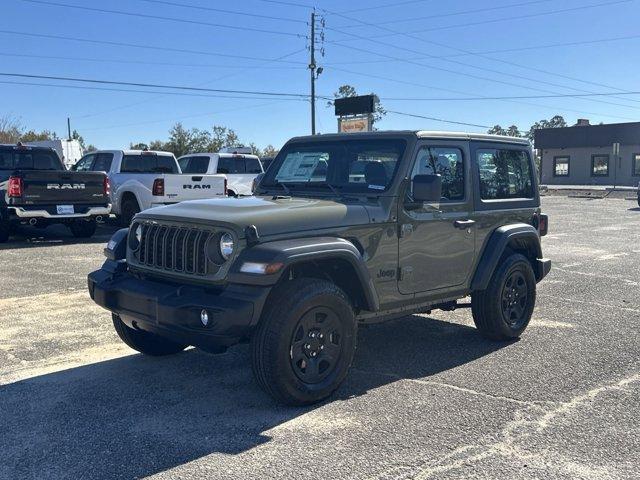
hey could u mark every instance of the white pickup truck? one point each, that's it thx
(142, 179)
(239, 168)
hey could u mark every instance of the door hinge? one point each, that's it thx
(405, 230)
(404, 273)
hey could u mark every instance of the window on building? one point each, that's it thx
(505, 174)
(636, 164)
(561, 167)
(600, 165)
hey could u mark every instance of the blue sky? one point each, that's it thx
(405, 49)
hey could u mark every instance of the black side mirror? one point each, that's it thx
(427, 188)
(73, 168)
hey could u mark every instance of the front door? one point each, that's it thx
(437, 241)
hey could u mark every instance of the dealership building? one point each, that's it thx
(590, 154)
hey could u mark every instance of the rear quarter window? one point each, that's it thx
(504, 174)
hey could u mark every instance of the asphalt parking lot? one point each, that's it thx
(427, 397)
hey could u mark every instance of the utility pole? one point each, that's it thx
(68, 128)
(313, 68)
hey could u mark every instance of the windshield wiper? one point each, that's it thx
(284, 187)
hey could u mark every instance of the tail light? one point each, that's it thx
(16, 188)
(543, 224)
(225, 186)
(158, 187)
(106, 186)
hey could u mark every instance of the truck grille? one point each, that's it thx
(174, 249)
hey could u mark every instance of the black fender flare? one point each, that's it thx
(495, 246)
(291, 252)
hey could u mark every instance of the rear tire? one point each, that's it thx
(305, 342)
(83, 229)
(129, 210)
(504, 309)
(145, 342)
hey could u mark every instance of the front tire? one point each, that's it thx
(305, 342)
(83, 229)
(145, 342)
(504, 309)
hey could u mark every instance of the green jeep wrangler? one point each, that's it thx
(343, 230)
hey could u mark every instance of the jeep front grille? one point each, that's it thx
(174, 249)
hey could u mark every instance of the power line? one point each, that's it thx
(148, 47)
(173, 119)
(473, 66)
(155, 85)
(126, 90)
(230, 12)
(458, 13)
(478, 77)
(385, 5)
(141, 62)
(289, 4)
(406, 82)
(437, 119)
(513, 97)
(517, 17)
(486, 52)
(169, 19)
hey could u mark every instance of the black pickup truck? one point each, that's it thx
(36, 189)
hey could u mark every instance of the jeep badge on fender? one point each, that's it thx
(343, 230)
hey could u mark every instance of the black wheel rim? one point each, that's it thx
(316, 345)
(515, 299)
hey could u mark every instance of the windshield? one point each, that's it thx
(349, 165)
(29, 160)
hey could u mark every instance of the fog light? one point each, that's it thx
(204, 317)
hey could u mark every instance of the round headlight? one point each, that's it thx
(226, 245)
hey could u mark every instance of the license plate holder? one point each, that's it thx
(65, 209)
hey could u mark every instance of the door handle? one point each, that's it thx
(463, 224)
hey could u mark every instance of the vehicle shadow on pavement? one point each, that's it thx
(55, 235)
(135, 416)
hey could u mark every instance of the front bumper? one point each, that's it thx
(174, 311)
(543, 267)
(49, 212)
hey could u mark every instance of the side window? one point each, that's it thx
(184, 164)
(252, 165)
(137, 164)
(102, 162)
(84, 164)
(165, 164)
(230, 165)
(600, 165)
(561, 167)
(504, 174)
(448, 163)
(194, 165)
(46, 161)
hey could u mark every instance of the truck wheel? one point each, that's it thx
(145, 342)
(305, 342)
(83, 228)
(129, 209)
(503, 310)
